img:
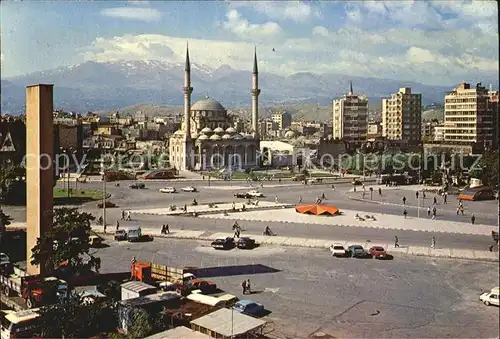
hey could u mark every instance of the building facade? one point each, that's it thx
(468, 116)
(402, 115)
(350, 115)
(494, 97)
(282, 120)
(207, 139)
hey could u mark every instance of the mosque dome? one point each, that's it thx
(203, 137)
(206, 130)
(237, 137)
(218, 130)
(290, 134)
(207, 104)
(231, 130)
(227, 137)
(215, 137)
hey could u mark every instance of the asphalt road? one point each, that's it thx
(309, 291)
(150, 197)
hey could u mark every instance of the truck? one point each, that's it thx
(35, 290)
(167, 278)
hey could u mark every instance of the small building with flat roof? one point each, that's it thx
(227, 323)
(179, 332)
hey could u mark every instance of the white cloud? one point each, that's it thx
(133, 13)
(297, 11)
(240, 26)
(320, 30)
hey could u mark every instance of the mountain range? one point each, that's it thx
(93, 86)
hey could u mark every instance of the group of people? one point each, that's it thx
(126, 215)
(165, 229)
(245, 285)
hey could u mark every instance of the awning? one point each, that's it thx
(317, 209)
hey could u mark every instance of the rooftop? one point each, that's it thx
(227, 322)
(179, 332)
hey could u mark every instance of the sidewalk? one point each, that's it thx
(324, 244)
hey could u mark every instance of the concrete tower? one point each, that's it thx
(255, 96)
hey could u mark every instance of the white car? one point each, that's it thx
(168, 190)
(491, 298)
(189, 189)
(255, 194)
(338, 250)
(4, 257)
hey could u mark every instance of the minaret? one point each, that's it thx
(187, 97)
(351, 92)
(255, 97)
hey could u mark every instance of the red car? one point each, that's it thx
(378, 252)
(205, 286)
(109, 204)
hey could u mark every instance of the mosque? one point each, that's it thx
(207, 139)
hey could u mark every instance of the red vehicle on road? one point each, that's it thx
(378, 252)
(109, 204)
(205, 286)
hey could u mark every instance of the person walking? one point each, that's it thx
(462, 210)
(396, 241)
(435, 201)
(404, 200)
(445, 198)
(416, 195)
(405, 213)
(333, 187)
(129, 215)
(434, 213)
(249, 290)
(379, 191)
(473, 219)
(300, 198)
(244, 286)
(105, 229)
(433, 242)
(276, 199)
(458, 210)
(123, 215)
(423, 195)
(429, 212)
(167, 229)
(117, 225)
(162, 229)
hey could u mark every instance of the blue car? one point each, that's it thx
(357, 251)
(249, 307)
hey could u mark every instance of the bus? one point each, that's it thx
(22, 324)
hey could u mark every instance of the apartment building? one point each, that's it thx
(282, 119)
(494, 97)
(401, 116)
(468, 116)
(350, 114)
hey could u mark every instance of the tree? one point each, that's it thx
(67, 242)
(4, 222)
(13, 184)
(141, 324)
(490, 166)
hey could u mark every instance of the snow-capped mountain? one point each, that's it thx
(111, 85)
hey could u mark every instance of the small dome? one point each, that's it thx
(206, 130)
(207, 104)
(230, 130)
(202, 137)
(227, 137)
(237, 137)
(215, 137)
(290, 134)
(218, 130)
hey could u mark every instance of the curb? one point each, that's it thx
(218, 211)
(448, 253)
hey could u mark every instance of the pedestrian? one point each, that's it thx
(405, 212)
(473, 219)
(435, 201)
(354, 189)
(423, 195)
(416, 195)
(462, 210)
(233, 206)
(276, 199)
(133, 261)
(162, 229)
(363, 195)
(333, 187)
(300, 198)
(396, 241)
(433, 242)
(123, 215)
(404, 200)
(379, 191)
(129, 215)
(445, 198)
(105, 229)
(249, 290)
(244, 286)
(117, 225)
(434, 213)
(429, 212)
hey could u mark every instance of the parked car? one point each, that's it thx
(357, 182)
(4, 257)
(357, 251)
(95, 241)
(378, 252)
(242, 195)
(137, 185)
(249, 307)
(120, 235)
(315, 180)
(168, 190)
(189, 189)
(205, 286)
(491, 298)
(223, 243)
(245, 243)
(338, 250)
(109, 204)
(255, 194)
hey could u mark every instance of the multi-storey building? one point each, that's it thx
(350, 115)
(468, 116)
(401, 116)
(494, 96)
(283, 120)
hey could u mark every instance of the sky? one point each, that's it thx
(432, 42)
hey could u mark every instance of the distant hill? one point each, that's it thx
(93, 86)
(434, 112)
